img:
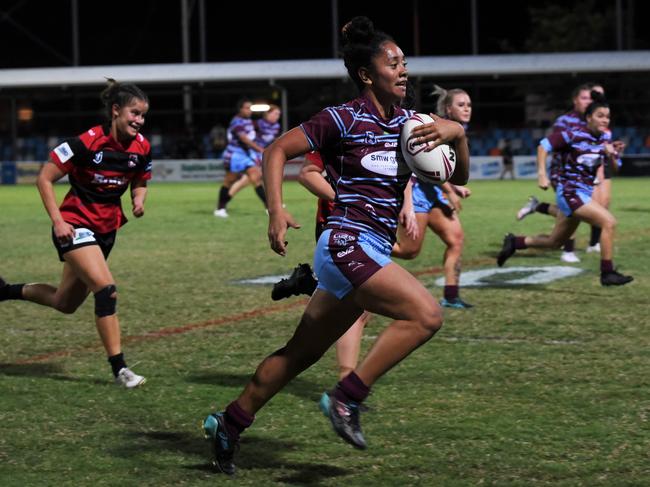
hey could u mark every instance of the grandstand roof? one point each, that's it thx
(438, 66)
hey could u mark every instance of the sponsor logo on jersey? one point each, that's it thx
(99, 157)
(355, 265)
(82, 235)
(345, 252)
(386, 163)
(63, 152)
(108, 180)
(589, 160)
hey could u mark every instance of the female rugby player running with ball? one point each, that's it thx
(351, 259)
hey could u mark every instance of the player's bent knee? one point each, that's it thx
(611, 222)
(106, 301)
(430, 320)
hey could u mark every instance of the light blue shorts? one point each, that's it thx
(345, 259)
(429, 196)
(570, 197)
(240, 161)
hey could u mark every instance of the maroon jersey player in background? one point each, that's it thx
(101, 163)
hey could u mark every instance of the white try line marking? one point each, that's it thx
(509, 276)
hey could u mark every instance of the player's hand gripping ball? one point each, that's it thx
(435, 166)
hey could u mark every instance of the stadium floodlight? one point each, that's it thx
(260, 107)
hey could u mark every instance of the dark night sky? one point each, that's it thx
(40, 32)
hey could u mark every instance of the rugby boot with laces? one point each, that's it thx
(455, 303)
(507, 249)
(223, 446)
(614, 278)
(569, 257)
(344, 417)
(129, 379)
(301, 281)
(528, 208)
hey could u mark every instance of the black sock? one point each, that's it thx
(595, 235)
(117, 363)
(11, 291)
(261, 194)
(542, 208)
(569, 245)
(224, 197)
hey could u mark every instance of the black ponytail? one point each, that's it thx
(598, 101)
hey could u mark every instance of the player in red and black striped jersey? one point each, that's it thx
(101, 164)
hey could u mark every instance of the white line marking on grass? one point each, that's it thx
(262, 280)
(497, 339)
(509, 276)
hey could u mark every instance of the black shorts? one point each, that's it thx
(84, 237)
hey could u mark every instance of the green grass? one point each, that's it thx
(537, 385)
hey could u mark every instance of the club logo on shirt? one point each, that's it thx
(370, 139)
(370, 208)
(133, 160)
(63, 152)
(99, 157)
(342, 239)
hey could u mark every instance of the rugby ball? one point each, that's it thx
(435, 166)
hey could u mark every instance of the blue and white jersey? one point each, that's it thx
(240, 126)
(581, 153)
(266, 132)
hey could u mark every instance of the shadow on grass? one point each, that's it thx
(51, 371)
(47, 371)
(634, 209)
(256, 453)
(528, 254)
(299, 387)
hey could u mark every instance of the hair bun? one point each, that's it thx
(597, 96)
(359, 30)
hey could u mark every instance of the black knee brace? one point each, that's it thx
(105, 304)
